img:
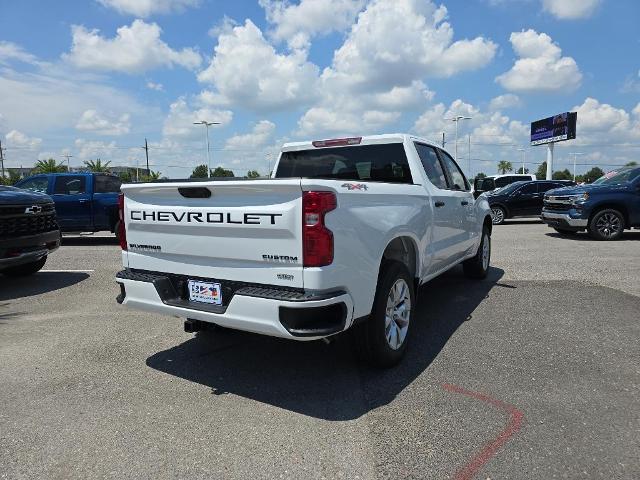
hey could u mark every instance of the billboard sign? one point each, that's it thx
(554, 129)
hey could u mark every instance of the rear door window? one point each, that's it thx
(502, 182)
(107, 184)
(374, 163)
(528, 189)
(432, 166)
(69, 185)
(458, 180)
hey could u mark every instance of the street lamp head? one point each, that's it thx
(204, 122)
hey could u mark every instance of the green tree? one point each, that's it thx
(253, 174)
(541, 173)
(526, 170)
(593, 174)
(97, 166)
(221, 172)
(562, 175)
(125, 176)
(151, 177)
(49, 166)
(199, 172)
(504, 166)
(481, 175)
(631, 164)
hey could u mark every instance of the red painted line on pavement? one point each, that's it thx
(468, 471)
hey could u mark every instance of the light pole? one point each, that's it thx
(575, 154)
(456, 119)
(207, 125)
(524, 156)
(67, 156)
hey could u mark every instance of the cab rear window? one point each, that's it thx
(375, 163)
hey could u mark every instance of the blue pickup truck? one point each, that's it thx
(85, 202)
(604, 208)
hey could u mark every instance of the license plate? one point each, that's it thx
(205, 292)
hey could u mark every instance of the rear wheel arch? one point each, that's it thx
(403, 249)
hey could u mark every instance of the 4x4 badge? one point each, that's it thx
(354, 186)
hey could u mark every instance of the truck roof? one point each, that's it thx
(364, 140)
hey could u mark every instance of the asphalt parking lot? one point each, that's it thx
(533, 373)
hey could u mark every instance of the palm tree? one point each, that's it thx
(504, 166)
(49, 166)
(97, 166)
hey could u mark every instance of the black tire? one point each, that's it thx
(371, 336)
(498, 215)
(26, 269)
(607, 224)
(566, 233)
(477, 267)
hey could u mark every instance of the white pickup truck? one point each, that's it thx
(341, 237)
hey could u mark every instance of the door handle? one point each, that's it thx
(439, 204)
(464, 202)
(83, 200)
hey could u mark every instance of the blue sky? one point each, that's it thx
(95, 78)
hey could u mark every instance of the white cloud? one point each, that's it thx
(60, 99)
(260, 135)
(93, 121)
(570, 9)
(484, 126)
(179, 121)
(248, 72)
(145, 8)
(603, 122)
(298, 23)
(396, 42)
(16, 138)
(377, 74)
(135, 49)
(89, 149)
(502, 102)
(12, 51)
(541, 66)
(158, 87)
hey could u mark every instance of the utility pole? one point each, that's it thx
(524, 156)
(67, 156)
(146, 150)
(207, 125)
(2, 158)
(469, 159)
(575, 154)
(457, 119)
(550, 161)
(443, 142)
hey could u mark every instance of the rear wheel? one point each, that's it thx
(478, 266)
(606, 224)
(382, 340)
(25, 269)
(498, 215)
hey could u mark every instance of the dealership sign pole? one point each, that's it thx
(554, 129)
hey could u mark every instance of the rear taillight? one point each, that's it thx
(317, 239)
(122, 232)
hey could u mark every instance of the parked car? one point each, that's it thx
(521, 199)
(493, 182)
(605, 209)
(341, 238)
(85, 202)
(28, 231)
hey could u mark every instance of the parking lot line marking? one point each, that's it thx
(516, 417)
(66, 271)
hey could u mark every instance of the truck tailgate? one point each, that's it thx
(240, 232)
